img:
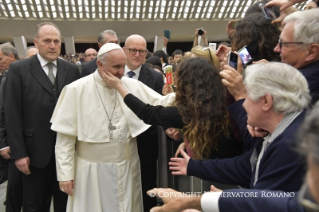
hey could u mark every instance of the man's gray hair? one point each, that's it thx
(306, 26)
(100, 38)
(26, 51)
(287, 86)
(308, 135)
(8, 48)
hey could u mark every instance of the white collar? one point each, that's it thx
(43, 62)
(136, 71)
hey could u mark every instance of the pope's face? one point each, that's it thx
(114, 62)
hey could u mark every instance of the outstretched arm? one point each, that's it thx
(153, 115)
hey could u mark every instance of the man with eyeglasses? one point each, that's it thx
(90, 54)
(147, 142)
(299, 46)
(279, 157)
(107, 36)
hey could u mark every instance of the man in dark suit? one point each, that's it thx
(147, 143)
(107, 36)
(32, 89)
(8, 55)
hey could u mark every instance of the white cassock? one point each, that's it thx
(106, 171)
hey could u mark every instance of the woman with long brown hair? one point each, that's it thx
(199, 109)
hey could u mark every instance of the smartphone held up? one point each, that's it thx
(268, 12)
(232, 60)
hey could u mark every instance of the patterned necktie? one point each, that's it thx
(131, 74)
(50, 74)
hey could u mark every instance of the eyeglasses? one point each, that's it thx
(89, 55)
(210, 54)
(280, 43)
(133, 51)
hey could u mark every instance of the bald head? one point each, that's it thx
(134, 38)
(90, 54)
(135, 50)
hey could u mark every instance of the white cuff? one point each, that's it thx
(209, 201)
(4, 148)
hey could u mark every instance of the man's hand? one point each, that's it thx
(167, 89)
(262, 61)
(257, 132)
(284, 4)
(234, 82)
(179, 165)
(165, 41)
(214, 189)
(173, 133)
(229, 29)
(23, 165)
(285, 7)
(222, 52)
(174, 201)
(5, 153)
(67, 187)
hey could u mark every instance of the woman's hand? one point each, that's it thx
(111, 80)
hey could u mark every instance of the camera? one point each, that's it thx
(200, 31)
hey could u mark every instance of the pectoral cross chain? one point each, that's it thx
(111, 128)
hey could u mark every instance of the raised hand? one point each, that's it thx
(179, 165)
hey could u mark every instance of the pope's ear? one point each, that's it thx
(99, 63)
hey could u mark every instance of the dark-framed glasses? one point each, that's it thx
(89, 55)
(133, 51)
(280, 43)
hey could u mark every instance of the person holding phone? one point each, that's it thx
(259, 41)
(200, 32)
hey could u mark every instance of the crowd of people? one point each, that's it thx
(82, 130)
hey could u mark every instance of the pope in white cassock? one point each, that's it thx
(96, 152)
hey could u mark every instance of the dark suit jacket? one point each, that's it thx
(148, 141)
(310, 72)
(3, 138)
(89, 67)
(29, 104)
(263, 201)
(281, 168)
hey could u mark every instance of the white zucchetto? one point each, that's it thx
(107, 48)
